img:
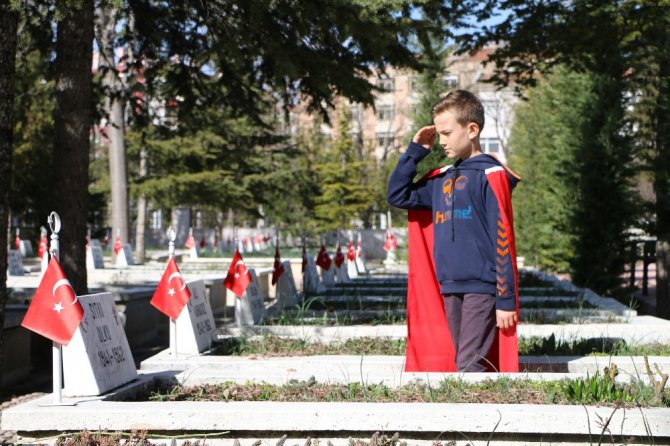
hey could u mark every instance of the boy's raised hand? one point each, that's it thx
(425, 136)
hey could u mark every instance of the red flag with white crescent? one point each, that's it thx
(238, 278)
(42, 247)
(172, 294)
(55, 311)
(278, 268)
(190, 242)
(117, 245)
(351, 252)
(339, 256)
(323, 259)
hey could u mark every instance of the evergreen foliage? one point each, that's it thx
(574, 203)
(344, 193)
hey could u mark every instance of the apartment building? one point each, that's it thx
(386, 128)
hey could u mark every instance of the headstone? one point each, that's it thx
(250, 308)
(193, 252)
(195, 324)
(98, 257)
(98, 358)
(341, 273)
(217, 297)
(352, 271)
(26, 248)
(287, 294)
(360, 265)
(311, 281)
(15, 263)
(125, 256)
(328, 276)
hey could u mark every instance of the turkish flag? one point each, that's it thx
(190, 242)
(42, 247)
(203, 242)
(339, 257)
(278, 268)
(304, 258)
(17, 242)
(351, 252)
(387, 242)
(323, 259)
(117, 245)
(172, 293)
(55, 311)
(238, 278)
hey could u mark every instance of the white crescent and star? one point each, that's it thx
(60, 283)
(176, 274)
(246, 271)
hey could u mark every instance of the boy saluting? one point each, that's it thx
(473, 253)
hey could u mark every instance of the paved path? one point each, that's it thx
(9, 437)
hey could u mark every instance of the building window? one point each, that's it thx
(450, 81)
(384, 140)
(157, 219)
(490, 145)
(385, 113)
(385, 84)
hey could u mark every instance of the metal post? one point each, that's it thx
(57, 349)
(645, 268)
(172, 235)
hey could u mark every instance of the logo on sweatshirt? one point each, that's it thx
(458, 214)
(448, 187)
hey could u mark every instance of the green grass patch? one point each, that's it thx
(599, 389)
(534, 346)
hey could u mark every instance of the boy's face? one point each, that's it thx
(455, 139)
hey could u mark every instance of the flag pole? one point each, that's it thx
(172, 235)
(57, 349)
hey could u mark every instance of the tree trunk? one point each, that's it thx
(140, 228)
(72, 128)
(8, 26)
(114, 106)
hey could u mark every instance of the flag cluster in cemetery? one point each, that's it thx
(238, 278)
(55, 311)
(172, 294)
(323, 259)
(278, 268)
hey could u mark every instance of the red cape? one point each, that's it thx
(429, 344)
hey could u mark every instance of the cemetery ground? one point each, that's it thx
(329, 365)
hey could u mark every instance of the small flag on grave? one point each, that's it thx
(323, 259)
(17, 240)
(190, 241)
(351, 252)
(55, 311)
(278, 268)
(172, 294)
(238, 278)
(391, 242)
(118, 246)
(42, 246)
(339, 256)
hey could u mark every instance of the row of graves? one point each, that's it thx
(245, 362)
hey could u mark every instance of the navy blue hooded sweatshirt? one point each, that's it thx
(465, 223)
